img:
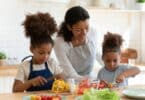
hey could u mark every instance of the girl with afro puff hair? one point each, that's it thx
(40, 72)
(114, 72)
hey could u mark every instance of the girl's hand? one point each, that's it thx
(38, 81)
(120, 78)
(59, 76)
(104, 83)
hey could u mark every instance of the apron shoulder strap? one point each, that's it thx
(26, 58)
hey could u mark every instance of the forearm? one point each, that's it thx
(21, 87)
(131, 72)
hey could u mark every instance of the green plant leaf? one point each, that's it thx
(141, 1)
(2, 55)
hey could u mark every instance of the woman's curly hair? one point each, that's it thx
(39, 27)
(72, 16)
(112, 43)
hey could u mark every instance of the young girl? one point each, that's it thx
(113, 70)
(38, 73)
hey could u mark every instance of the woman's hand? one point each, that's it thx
(38, 81)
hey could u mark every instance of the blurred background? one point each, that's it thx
(126, 17)
(120, 16)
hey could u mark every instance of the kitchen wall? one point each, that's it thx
(13, 42)
(12, 14)
(127, 23)
(142, 38)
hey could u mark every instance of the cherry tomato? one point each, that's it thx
(43, 97)
(101, 86)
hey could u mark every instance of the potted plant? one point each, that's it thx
(2, 58)
(140, 4)
(140, 1)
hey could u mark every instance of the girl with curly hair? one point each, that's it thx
(113, 71)
(38, 73)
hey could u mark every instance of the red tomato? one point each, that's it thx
(80, 91)
(43, 97)
(101, 86)
(49, 98)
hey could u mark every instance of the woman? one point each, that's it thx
(76, 44)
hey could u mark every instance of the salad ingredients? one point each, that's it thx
(41, 97)
(60, 86)
(103, 94)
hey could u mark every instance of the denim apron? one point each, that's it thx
(46, 73)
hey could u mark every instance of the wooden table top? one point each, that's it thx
(19, 96)
(11, 70)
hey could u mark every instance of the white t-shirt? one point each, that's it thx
(77, 61)
(24, 69)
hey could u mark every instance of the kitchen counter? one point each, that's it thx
(8, 70)
(19, 96)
